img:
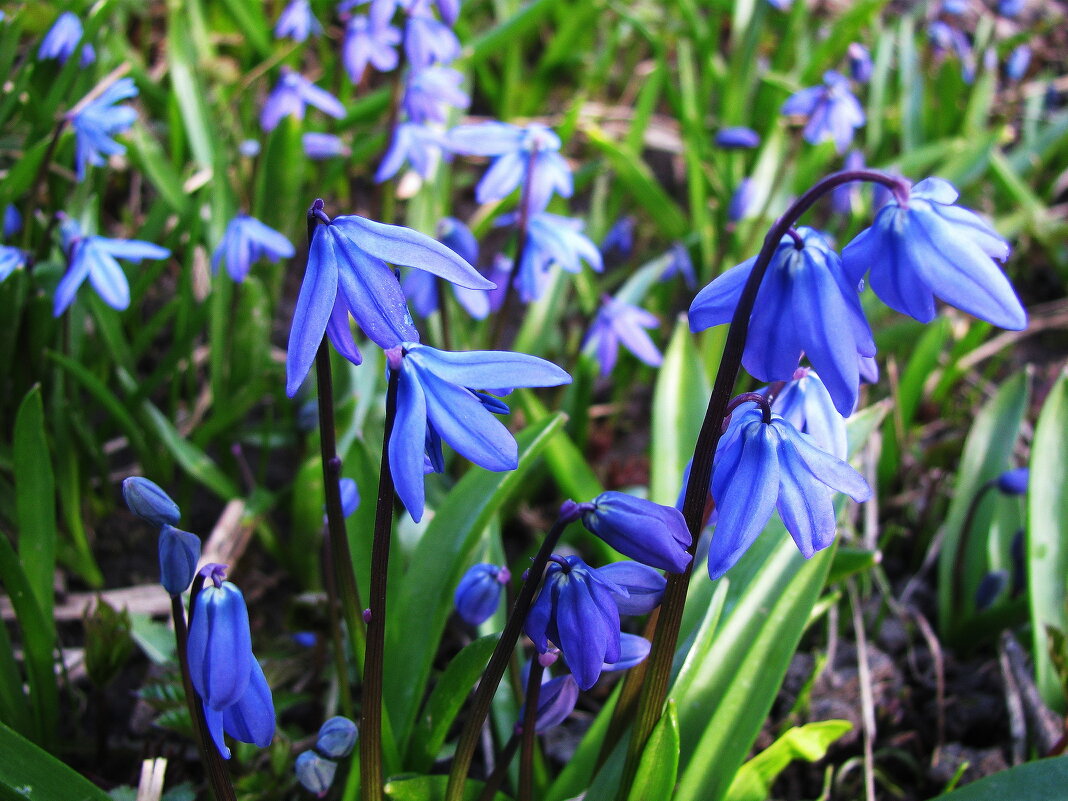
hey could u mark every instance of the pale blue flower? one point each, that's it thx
(806, 404)
(428, 41)
(860, 65)
(618, 322)
(98, 121)
(315, 773)
(831, 110)
(322, 146)
(419, 145)
(741, 203)
(291, 95)
(297, 22)
(337, 737)
(553, 240)
(620, 237)
(11, 259)
(1018, 62)
(681, 265)
(62, 39)
(430, 93)
(737, 138)
(367, 43)
(245, 241)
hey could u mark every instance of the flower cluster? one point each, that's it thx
(317, 767)
(179, 550)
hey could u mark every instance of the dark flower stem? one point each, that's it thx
(371, 706)
(530, 724)
(493, 783)
(665, 641)
(962, 547)
(218, 777)
(498, 663)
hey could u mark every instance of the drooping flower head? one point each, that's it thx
(552, 240)
(150, 502)
(436, 399)
(430, 93)
(12, 221)
(1015, 481)
(478, 594)
(620, 237)
(520, 155)
(831, 110)
(297, 22)
(315, 773)
(680, 264)
(647, 532)
(179, 552)
(367, 42)
(763, 463)
(11, 259)
(860, 65)
(737, 138)
(416, 143)
(619, 322)
(348, 273)
(93, 257)
(337, 737)
(291, 95)
(245, 241)
(98, 121)
(556, 700)
(806, 304)
(926, 247)
(806, 404)
(427, 41)
(62, 39)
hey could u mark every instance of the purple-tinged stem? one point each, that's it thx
(530, 725)
(665, 641)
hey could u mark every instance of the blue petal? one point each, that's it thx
(214, 720)
(130, 249)
(804, 504)
(832, 471)
(485, 139)
(107, 278)
(715, 304)
(373, 295)
(340, 334)
(71, 280)
(314, 307)
(584, 632)
(251, 719)
(556, 700)
(644, 586)
(502, 177)
(480, 369)
(220, 646)
(406, 442)
(632, 651)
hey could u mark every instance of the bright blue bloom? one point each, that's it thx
(93, 257)
(1014, 482)
(322, 146)
(367, 43)
(576, 610)
(348, 273)
(428, 41)
(806, 404)
(556, 700)
(448, 9)
(945, 37)
(11, 259)
(478, 594)
(742, 200)
(249, 148)
(62, 38)
(832, 111)
(435, 388)
(12, 221)
(552, 239)
(737, 138)
(647, 532)
(620, 237)
(179, 552)
(315, 773)
(519, 154)
(97, 122)
(1010, 8)
(633, 650)
(430, 93)
(618, 322)
(147, 500)
(418, 144)
(860, 65)
(1018, 62)
(245, 241)
(350, 496)
(930, 248)
(421, 289)
(845, 198)
(760, 466)
(644, 585)
(297, 22)
(336, 737)
(225, 674)
(456, 236)
(290, 96)
(806, 303)
(680, 264)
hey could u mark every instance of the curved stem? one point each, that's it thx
(530, 725)
(665, 641)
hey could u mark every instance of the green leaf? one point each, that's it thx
(437, 564)
(659, 764)
(432, 788)
(504, 36)
(155, 639)
(571, 471)
(753, 780)
(679, 401)
(1047, 535)
(35, 499)
(195, 462)
(1042, 780)
(14, 705)
(188, 90)
(450, 692)
(28, 773)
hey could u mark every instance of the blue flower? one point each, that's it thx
(805, 304)
(1014, 482)
(337, 737)
(11, 259)
(737, 138)
(478, 594)
(147, 500)
(435, 388)
(297, 22)
(1018, 62)
(315, 773)
(531, 153)
(428, 41)
(367, 43)
(291, 95)
(576, 610)
(321, 146)
(62, 39)
(944, 37)
(617, 322)
(632, 652)
(418, 144)
(448, 9)
(644, 585)
(831, 109)
(620, 237)
(556, 700)
(12, 221)
(179, 552)
(551, 240)
(680, 264)
(860, 65)
(806, 404)
(224, 672)
(761, 466)
(421, 289)
(249, 148)
(430, 93)
(647, 532)
(845, 198)
(348, 273)
(98, 121)
(247, 240)
(926, 247)
(350, 496)
(741, 203)
(93, 257)
(1010, 8)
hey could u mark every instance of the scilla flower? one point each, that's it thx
(805, 303)
(925, 247)
(93, 257)
(556, 700)
(98, 121)
(552, 239)
(147, 500)
(247, 240)
(415, 143)
(337, 737)
(297, 22)
(478, 594)
(737, 138)
(806, 404)
(62, 39)
(369, 43)
(644, 586)
(435, 390)
(178, 554)
(763, 463)
(291, 95)
(426, 40)
(645, 531)
(831, 111)
(11, 259)
(348, 273)
(618, 322)
(576, 610)
(429, 94)
(1014, 482)
(322, 146)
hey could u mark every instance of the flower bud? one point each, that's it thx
(479, 592)
(1014, 482)
(315, 773)
(336, 737)
(147, 500)
(737, 138)
(178, 554)
(350, 496)
(645, 531)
